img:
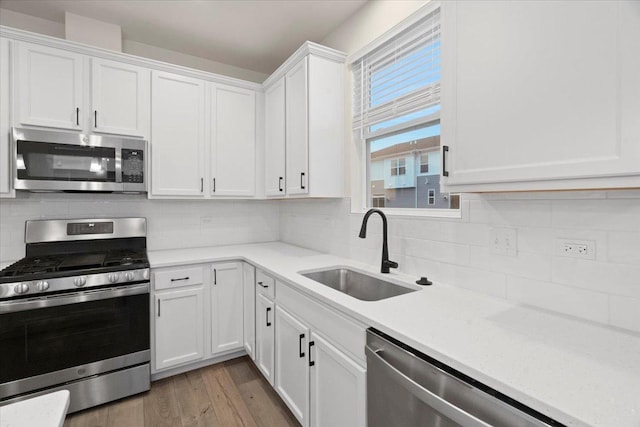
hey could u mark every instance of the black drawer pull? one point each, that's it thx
(263, 285)
(179, 279)
(301, 353)
(77, 116)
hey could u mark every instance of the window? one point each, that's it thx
(424, 163)
(377, 202)
(396, 114)
(398, 167)
(431, 196)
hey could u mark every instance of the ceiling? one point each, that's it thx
(254, 34)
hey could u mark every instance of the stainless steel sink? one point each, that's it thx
(357, 285)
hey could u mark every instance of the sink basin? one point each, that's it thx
(357, 285)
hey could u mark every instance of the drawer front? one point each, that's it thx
(343, 332)
(178, 278)
(265, 284)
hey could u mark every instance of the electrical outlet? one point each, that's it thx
(584, 249)
(504, 241)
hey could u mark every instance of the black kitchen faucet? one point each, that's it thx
(386, 263)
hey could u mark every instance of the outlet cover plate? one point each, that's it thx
(575, 248)
(504, 241)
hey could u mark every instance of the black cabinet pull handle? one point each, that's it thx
(201, 185)
(263, 285)
(95, 118)
(77, 116)
(301, 353)
(311, 362)
(302, 180)
(158, 308)
(268, 310)
(280, 183)
(215, 276)
(214, 185)
(445, 149)
(180, 278)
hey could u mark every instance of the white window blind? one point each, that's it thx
(399, 78)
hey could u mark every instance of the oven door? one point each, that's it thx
(66, 337)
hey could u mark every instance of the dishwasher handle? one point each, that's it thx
(428, 397)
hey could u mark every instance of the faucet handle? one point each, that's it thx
(390, 264)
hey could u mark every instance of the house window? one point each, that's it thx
(377, 201)
(398, 167)
(424, 163)
(396, 113)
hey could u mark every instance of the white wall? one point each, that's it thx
(56, 29)
(457, 251)
(171, 223)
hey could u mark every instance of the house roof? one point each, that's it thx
(424, 144)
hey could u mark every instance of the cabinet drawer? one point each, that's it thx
(266, 285)
(346, 334)
(177, 278)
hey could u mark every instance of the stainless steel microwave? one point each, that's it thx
(68, 161)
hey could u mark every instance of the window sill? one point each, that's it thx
(416, 213)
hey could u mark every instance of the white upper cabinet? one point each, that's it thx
(177, 135)
(304, 112)
(226, 308)
(274, 150)
(541, 95)
(297, 128)
(50, 86)
(233, 141)
(5, 119)
(119, 98)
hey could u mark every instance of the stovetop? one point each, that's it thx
(52, 266)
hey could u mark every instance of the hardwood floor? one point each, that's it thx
(231, 393)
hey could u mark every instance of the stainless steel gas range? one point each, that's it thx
(74, 313)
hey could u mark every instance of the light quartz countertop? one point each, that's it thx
(577, 372)
(48, 410)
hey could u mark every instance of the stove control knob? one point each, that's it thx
(80, 281)
(129, 276)
(21, 288)
(42, 286)
(113, 277)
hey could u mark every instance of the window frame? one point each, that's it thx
(360, 148)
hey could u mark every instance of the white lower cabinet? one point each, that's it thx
(292, 366)
(226, 307)
(338, 387)
(249, 309)
(265, 336)
(179, 319)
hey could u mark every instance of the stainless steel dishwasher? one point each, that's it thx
(406, 388)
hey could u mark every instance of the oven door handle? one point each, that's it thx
(85, 296)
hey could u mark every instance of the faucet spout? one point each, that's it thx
(386, 263)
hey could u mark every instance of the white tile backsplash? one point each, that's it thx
(171, 223)
(457, 251)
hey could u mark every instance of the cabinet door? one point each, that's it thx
(274, 151)
(5, 120)
(119, 98)
(265, 336)
(297, 135)
(177, 135)
(338, 387)
(519, 104)
(292, 366)
(179, 320)
(226, 308)
(249, 311)
(233, 141)
(50, 87)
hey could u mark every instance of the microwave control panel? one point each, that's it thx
(132, 166)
